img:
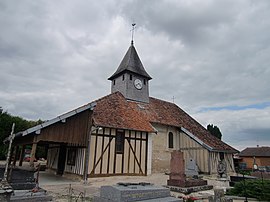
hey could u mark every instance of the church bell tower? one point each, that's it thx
(130, 78)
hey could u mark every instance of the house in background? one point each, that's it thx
(255, 155)
(126, 132)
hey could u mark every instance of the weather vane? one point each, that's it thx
(132, 32)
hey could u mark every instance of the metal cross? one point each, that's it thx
(132, 31)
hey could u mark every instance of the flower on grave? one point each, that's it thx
(190, 198)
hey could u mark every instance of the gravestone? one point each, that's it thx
(222, 169)
(177, 168)
(192, 168)
(219, 196)
(5, 191)
(126, 192)
(177, 174)
(20, 179)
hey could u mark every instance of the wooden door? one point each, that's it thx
(61, 160)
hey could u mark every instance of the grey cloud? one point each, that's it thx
(57, 55)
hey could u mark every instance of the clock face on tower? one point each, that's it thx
(138, 84)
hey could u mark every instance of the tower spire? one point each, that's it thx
(132, 32)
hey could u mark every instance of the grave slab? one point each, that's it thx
(188, 190)
(134, 192)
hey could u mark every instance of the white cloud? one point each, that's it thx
(242, 128)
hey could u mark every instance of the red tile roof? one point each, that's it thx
(255, 151)
(116, 112)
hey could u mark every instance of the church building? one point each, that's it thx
(126, 132)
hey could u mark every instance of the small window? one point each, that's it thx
(130, 77)
(71, 156)
(221, 155)
(144, 82)
(113, 82)
(123, 77)
(170, 138)
(120, 142)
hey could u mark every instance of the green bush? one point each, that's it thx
(252, 188)
(6, 121)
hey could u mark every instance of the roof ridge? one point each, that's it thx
(163, 100)
(101, 98)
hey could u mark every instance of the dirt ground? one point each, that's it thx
(68, 188)
(62, 192)
(76, 189)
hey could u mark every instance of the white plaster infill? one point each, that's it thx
(149, 153)
(196, 139)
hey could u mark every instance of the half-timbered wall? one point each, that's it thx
(162, 153)
(52, 156)
(106, 159)
(76, 168)
(214, 158)
(194, 150)
(206, 161)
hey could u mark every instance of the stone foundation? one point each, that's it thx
(187, 183)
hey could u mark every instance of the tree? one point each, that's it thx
(214, 130)
(6, 121)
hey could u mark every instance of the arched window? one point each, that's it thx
(170, 138)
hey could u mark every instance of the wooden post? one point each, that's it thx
(21, 155)
(33, 152)
(87, 151)
(15, 156)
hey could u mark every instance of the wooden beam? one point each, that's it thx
(21, 155)
(88, 144)
(15, 155)
(33, 152)
(109, 151)
(102, 148)
(129, 135)
(146, 153)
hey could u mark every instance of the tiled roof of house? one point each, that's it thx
(117, 112)
(255, 151)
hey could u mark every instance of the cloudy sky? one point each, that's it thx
(212, 56)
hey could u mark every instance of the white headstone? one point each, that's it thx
(192, 168)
